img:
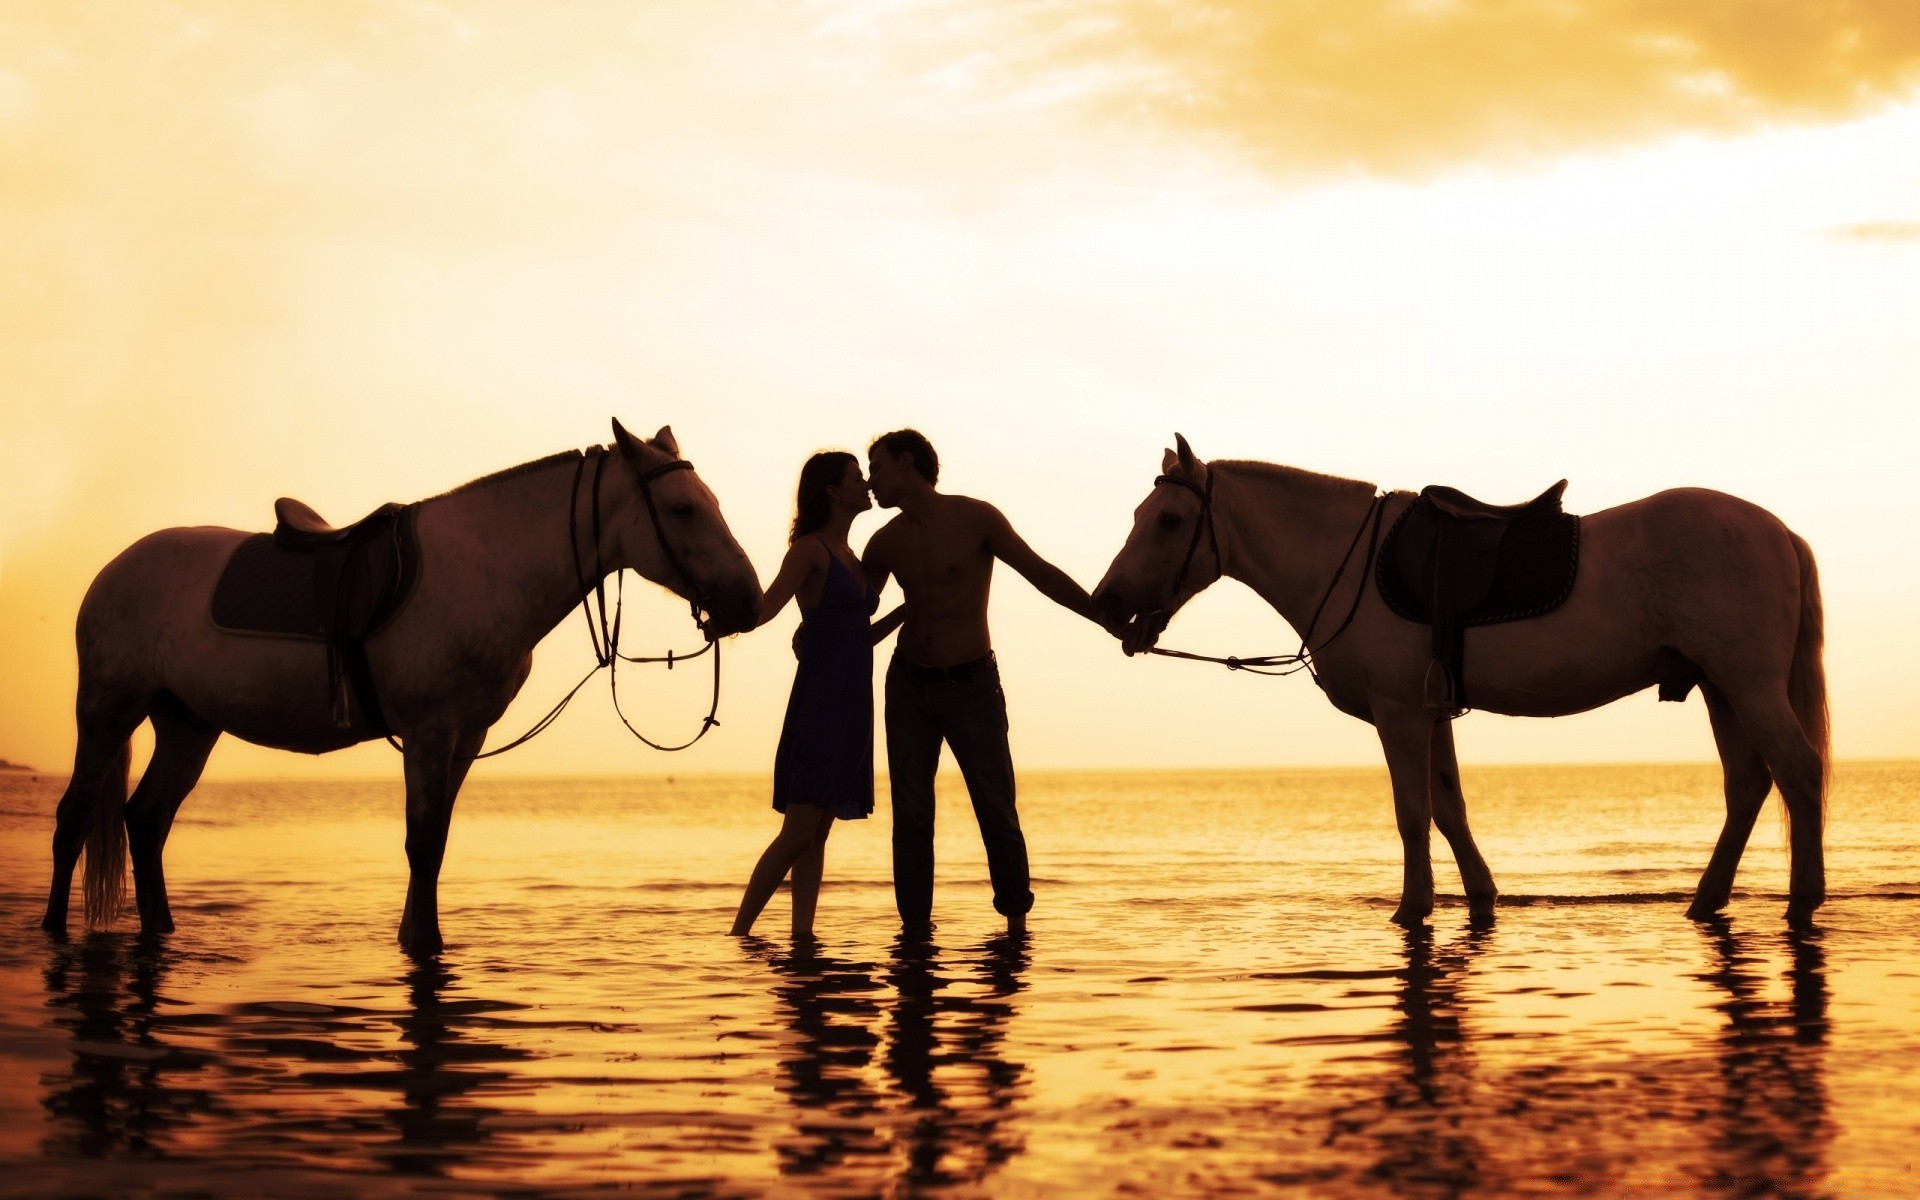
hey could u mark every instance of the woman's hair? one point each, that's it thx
(812, 506)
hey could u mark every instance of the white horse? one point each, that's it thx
(1684, 586)
(501, 563)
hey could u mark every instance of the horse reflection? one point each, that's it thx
(1773, 1129)
(1417, 1123)
(437, 1126)
(129, 1090)
(829, 1005)
(946, 1055)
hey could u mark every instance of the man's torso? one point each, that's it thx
(945, 568)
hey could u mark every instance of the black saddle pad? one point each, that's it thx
(1529, 573)
(360, 584)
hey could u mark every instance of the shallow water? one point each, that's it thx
(1211, 1001)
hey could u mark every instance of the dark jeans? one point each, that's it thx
(966, 709)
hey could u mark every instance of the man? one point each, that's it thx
(943, 684)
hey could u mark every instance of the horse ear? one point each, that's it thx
(628, 444)
(1168, 461)
(1188, 462)
(664, 440)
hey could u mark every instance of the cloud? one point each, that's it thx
(1398, 86)
(1880, 231)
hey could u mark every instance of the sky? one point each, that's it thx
(359, 252)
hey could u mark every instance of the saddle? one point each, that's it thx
(1453, 562)
(310, 581)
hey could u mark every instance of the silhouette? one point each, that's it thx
(1686, 587)
(943, 684)
(823, 768)
(496, 572)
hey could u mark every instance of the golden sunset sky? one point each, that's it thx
(361, 251)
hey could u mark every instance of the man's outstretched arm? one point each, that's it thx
(1051, 582)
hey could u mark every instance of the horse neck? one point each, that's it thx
(517, 529)
(1284, 531)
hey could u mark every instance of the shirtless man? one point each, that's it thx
(943, 683)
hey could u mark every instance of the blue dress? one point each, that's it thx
(825, 757)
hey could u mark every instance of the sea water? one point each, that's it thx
(1210, 1001)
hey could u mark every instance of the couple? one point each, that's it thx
(943, 683)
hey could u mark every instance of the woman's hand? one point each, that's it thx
(885, 625)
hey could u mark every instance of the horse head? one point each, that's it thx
(671, 531)
(1172, 554)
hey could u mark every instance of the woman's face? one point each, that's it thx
(851, 492)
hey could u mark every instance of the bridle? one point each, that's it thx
(605, 633)
(1301, 659)
(1204, 524)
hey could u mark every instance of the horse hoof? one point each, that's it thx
(418, 944)
(1704, 909)
(1408, 918)
(1800, 912)
(1480, 916)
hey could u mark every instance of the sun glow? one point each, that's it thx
(262, 252)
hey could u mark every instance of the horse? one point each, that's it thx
(502, 560)
(1682, 587)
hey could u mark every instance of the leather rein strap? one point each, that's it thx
(605, 634)
(1286, 664)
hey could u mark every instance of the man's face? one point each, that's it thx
(884, 472)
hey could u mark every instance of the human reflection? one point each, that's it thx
(129, 1089)
(1422, 1143)
(1773, 1130)
(438, 1127)
(830, 1006)
(946, 1056)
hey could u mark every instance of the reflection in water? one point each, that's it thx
(1774, 1130)
(828, 1004)
(128, 1091)
(1423, 1144)
(946, 1056)
(437, 1129)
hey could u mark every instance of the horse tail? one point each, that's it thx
(106, 879)
(1807, 678)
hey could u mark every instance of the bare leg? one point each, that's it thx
(807, 870)
(1406, 735)
(181, 745)
(1747, 783)
(796, 834)
(1450, 816)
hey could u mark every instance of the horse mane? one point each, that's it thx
(513, 472)
(1294, 476)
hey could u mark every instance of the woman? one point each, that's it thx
(824, 767)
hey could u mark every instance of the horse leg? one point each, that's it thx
(181, 744)
(1406, 735)
(1768, 718)
(1450, 815)
(100, 762)
(436, 766)
(1747, 783)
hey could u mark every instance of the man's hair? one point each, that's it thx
(914, 444)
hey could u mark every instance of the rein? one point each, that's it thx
(605, 634)
(1301, 659)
